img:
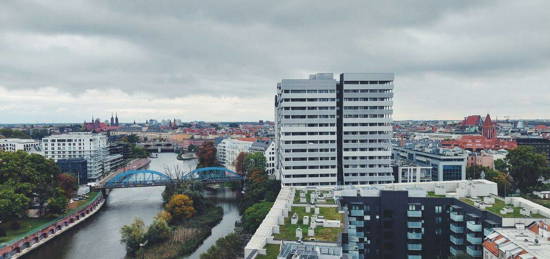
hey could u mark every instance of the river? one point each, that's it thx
(99, 236)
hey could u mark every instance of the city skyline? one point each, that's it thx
(214, 61)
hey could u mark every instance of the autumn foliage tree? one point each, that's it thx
(180, 207)
(67, 183)
(239, 163)
(207, 155)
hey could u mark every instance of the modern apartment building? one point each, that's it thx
(15, 144)
(229, 149)
(90, 146)
(412, 225)
(331, 132)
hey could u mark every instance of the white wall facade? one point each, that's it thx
(15, 144)
(269, 154)
(90, 146)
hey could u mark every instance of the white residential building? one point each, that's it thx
(269, 154)
(90, 146)
(331, 132)
(16, 144)
(229, 149)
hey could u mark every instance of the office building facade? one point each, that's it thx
(15, 144)
(331, 132)
(446, 164)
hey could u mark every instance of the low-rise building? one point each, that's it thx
(521, 242)
(446, 164)
(16, 144)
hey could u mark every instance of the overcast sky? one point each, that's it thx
(64, 61)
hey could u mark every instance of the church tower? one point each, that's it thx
(489, 130)
(116, 119)
(112, 120)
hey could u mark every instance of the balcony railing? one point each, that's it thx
(414, 257)
(455, 251)
(471, 251)
(472, 239)
(472, 226)
(456, 240)
(414, 235)
(414, 247)
(356, 213)
(457, 217)
(414, 213)
(457, 229)
(414, 224)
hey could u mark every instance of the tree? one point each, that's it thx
(239, 163)
(158, 231)
(133, 235)
(67, 182)
(164, 215)
(12, 204)
(526, 166)
(503, 183)
(133, 138)
(58, 203)
(228, 247)
(257, 176)
(500, 165)
(180, 207)
(207, 155)
(30, 174)
(254, 215)
(255, 160)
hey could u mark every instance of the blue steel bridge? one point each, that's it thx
(144, 177)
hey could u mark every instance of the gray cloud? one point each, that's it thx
(171, 49)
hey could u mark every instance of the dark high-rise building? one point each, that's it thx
(540, 145)
(78, 167)
(396, 224)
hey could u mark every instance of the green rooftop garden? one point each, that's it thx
(288, 230)
(272, 251)
(433, 195)
(499, 205)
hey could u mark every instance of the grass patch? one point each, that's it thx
(272, 251)
(26, 224)
(433, 195)
(31, 224)
(499, 205)
(288, 230)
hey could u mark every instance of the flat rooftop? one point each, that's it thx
(526, 240)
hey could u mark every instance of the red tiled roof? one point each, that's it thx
(471, 120)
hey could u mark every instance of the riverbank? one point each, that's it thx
(38, 236)
(186, 237)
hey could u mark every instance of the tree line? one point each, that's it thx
(31, 181)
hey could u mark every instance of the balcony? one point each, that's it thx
(414, 257)
(456, 240)
(414, 247)
(414, 224)
(472, 226)
(471, 251)
(457, 229)
(457, 217)
(414, 213)
(414, 236)
(455, 251)
(357, 213)
(472, 239)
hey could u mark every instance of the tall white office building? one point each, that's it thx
(331, 132)
(90, 146)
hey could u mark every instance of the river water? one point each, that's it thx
(99, 236)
